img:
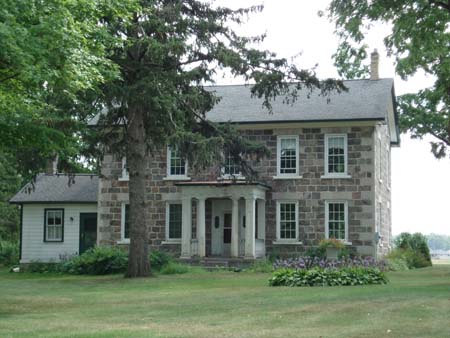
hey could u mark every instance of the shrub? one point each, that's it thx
(159, 259)
(399, 257)
(327, 277)
(173, 268)
(9, 253)
(331, 243)
(100, 260)
(414, 246)
(40, 267)
(262, 266)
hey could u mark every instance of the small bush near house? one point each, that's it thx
(40, 267)
(411, 252)
(9, 253)
(100, 260)
(159, 259)
(173, 268)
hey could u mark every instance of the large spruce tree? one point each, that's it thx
(168, 52)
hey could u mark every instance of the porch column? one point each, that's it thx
(201, 233)
(250, 227)
(186, 227)
(235, 228)
(261, 219)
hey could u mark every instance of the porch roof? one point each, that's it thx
(223, 183)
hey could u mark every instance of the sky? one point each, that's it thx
(420, 182)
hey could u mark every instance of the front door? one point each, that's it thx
(221, 228)
(88, 231)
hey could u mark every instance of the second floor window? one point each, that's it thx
(176, 165)
(336, 154)
(287, 155)
(230, 167)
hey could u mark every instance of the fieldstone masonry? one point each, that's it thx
(366, 192)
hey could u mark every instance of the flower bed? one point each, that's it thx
(313, 271)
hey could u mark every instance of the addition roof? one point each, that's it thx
(58, 188)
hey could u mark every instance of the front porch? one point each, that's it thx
(234, 226)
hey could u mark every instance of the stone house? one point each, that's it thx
(328, 176)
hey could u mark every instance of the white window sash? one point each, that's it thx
(169, 160)
(279, 141)
(279, 239)
(54, 228)
(327, 218)
(125, 174)
(168, 204)
(326, 154)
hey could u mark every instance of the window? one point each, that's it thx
(176, 165)
(54, 225)
(335, 154)
(173, 221)
(287, 156)
(231, 168)
(287, 220)
(125, 223)
(125, 175)
(336, 220)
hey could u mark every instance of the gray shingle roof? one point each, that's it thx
(56, 188)
(365, 100)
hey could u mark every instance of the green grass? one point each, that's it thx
(222, 304)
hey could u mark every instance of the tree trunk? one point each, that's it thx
(138, 261)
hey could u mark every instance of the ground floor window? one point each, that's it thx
(54, 225)
(287, 220)
(125, 224)
(173, 221)
(336, 213)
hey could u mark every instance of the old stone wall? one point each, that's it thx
(311, 190)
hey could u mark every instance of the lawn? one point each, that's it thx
(222, 304)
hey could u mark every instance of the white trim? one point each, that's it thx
(327, 215)
(123, 240)
(286, 242)
(171, 240)
(125, 174)
(336, 175)
(171, 177)
(297, 151)
(280, 240)
(287, 177)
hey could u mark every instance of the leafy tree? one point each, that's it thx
(438, 242)
(52, 61)
(169, 51)
(420, 40)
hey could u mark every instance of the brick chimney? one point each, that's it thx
(374, 61)
(52, 166)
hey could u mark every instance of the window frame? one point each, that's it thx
(168, 164)
(278, 221)
(125, 173)
(326, 156)
(297, 157)
(327, 219)
(46, 240)
(168, 239)
(123, 239)
(223, 175)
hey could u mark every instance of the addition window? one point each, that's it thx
(287, 156)
(335, 154)
(176, 165)
(231, 168)
(173, 221)
(336, 225)
(54, 225)
(125, 174)
(125, 223)
(287, 220)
